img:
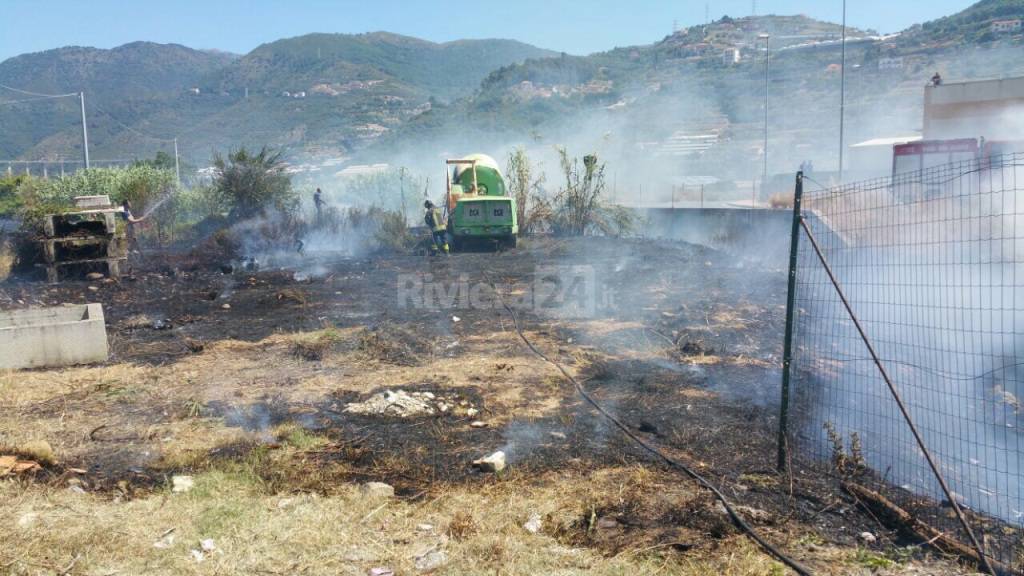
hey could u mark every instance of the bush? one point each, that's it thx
(531, 208)
(251, 184)
(10, 202)
(392, 230)
(579, 209)
(145, 187)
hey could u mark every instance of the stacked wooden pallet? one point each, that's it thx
(85, 240)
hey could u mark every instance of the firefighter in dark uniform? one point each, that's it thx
(438, 232)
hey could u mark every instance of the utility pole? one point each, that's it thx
(767, 66)
(842, 96)
(85, 131)
(177, 166)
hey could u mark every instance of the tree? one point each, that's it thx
(253, 183)
(161, 160)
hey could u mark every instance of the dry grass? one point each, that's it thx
(316, 345)
(273, 508)
(259, 530)
(39, 451)
(6, 260)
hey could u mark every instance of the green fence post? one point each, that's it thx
(787, 351)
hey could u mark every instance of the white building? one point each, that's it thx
(1006, 26)
(890, 63)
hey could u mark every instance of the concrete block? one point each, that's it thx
(49, 337)
(100, 201)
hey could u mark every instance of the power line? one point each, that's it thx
(27, 93)
(127, 127)
(35, 99)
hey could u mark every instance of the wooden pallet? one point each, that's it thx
(113, 267)
(109, 246)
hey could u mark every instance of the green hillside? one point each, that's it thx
(972, 25)
(371, 95)
(642, 103)
(330, 61)
(342, 91)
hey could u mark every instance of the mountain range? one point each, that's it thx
(332, 96)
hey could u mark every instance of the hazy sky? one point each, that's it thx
(574, 26)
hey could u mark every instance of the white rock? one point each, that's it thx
(867, 537)
(181, 483)
(431, 561)
(377, 490)
(478, 424)
(207, 545)
(493, 463)
(197, 555)
(425, 527)
(393, 403)
(456, 319)
(533, 525)
(94, 276)
(472, 412)
(382, 571)
(27, 519)
(226, 306)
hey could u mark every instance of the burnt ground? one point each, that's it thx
(683, 343)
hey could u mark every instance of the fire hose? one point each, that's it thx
(736, 518)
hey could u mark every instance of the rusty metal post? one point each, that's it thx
(787, 351)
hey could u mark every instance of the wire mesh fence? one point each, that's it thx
(932, 265)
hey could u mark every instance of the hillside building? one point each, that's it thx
(890, 63)
(1006, 26)
(984, 108)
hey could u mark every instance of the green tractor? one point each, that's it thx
(478, 205)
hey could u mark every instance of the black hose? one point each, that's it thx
(736, 518)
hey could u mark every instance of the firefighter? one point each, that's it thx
(438, 232)
(130, 222)
(318, 201)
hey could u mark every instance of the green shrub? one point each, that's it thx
(251, 184)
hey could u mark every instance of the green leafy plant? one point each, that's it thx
(252, 183)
